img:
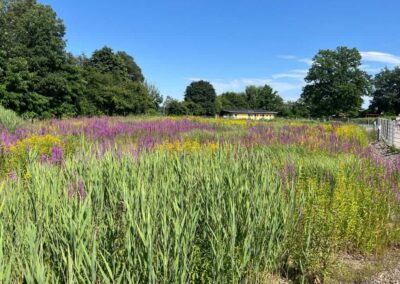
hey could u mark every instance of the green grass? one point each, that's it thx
(9, 119)
(204, 217)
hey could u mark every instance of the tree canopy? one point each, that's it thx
(254, 97)
(263, 97)
(335, 83)
(386, 93)
(203, 94)
(38, 78)
(232, 100)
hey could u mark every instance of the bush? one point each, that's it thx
(9, 119)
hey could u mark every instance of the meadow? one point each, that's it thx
(178, 200)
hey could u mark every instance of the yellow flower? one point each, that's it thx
(187, 146)
(39, 144)
(27, 175)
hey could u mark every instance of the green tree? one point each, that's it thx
(174, 107)
(335, 83)
(154, 95)
(295, 109)
(386, 94)
(110, 87)
(134, 71)
(104, 61)
(33, 60)
(192, 108)
(232, 100)
(34, 32)
(109, 94)
(263, 97)
(39, 79)
(203, 94)
(17, 93)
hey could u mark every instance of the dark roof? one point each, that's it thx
(249, 111)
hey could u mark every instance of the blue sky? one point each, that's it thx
(232, 43)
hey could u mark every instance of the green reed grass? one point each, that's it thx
(203, 217)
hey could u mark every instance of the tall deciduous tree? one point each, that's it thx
(104, 61)
(335, 83)
(154, 95)
(39, 79)
(232, 100)
(386, 94)
(134, 71)
(203, 94)
(263, 98)
(174, 107)
(111, 89)
(33, 54)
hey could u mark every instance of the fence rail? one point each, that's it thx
(389, 132)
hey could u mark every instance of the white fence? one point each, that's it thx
(389, 132)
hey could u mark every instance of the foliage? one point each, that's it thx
(33, 48)
(192, 200)
(263, 97)
(335, 83)
(203, 94)
(105, 61)
(295, 109)
(134, 71)
(38, 79)
(232, 100)
(155, 96)
(109, 94)
(174, 107)
(386, 94)
(9, 119)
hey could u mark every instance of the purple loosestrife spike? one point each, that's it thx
(82, 191)
(13, 176)
(44, 159)
(70, 191)
(57, 154)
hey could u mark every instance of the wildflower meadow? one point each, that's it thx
(178, 200)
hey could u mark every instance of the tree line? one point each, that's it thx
(201, 99)
(335, 86)
(40, 79)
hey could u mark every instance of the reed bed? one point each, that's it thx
(182, 201)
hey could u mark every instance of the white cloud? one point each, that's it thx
(287, 57)
(292, 57)
(306, 61)
(381, 57)
(237, 85)
(297, 74)
(283, 87)
(288, 75)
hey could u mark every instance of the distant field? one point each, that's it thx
(165, 200)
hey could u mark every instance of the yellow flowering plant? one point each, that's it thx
(17, 154)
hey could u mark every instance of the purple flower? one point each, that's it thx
(57, 154)
(77, 186)
(82, 191)
(44, 158)
(13, 176)
(70, 191)
(288, 174)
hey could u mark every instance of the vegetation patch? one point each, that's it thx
(170, 200)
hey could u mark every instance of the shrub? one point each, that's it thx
(9, 119)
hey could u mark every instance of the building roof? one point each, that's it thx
(248, 111)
